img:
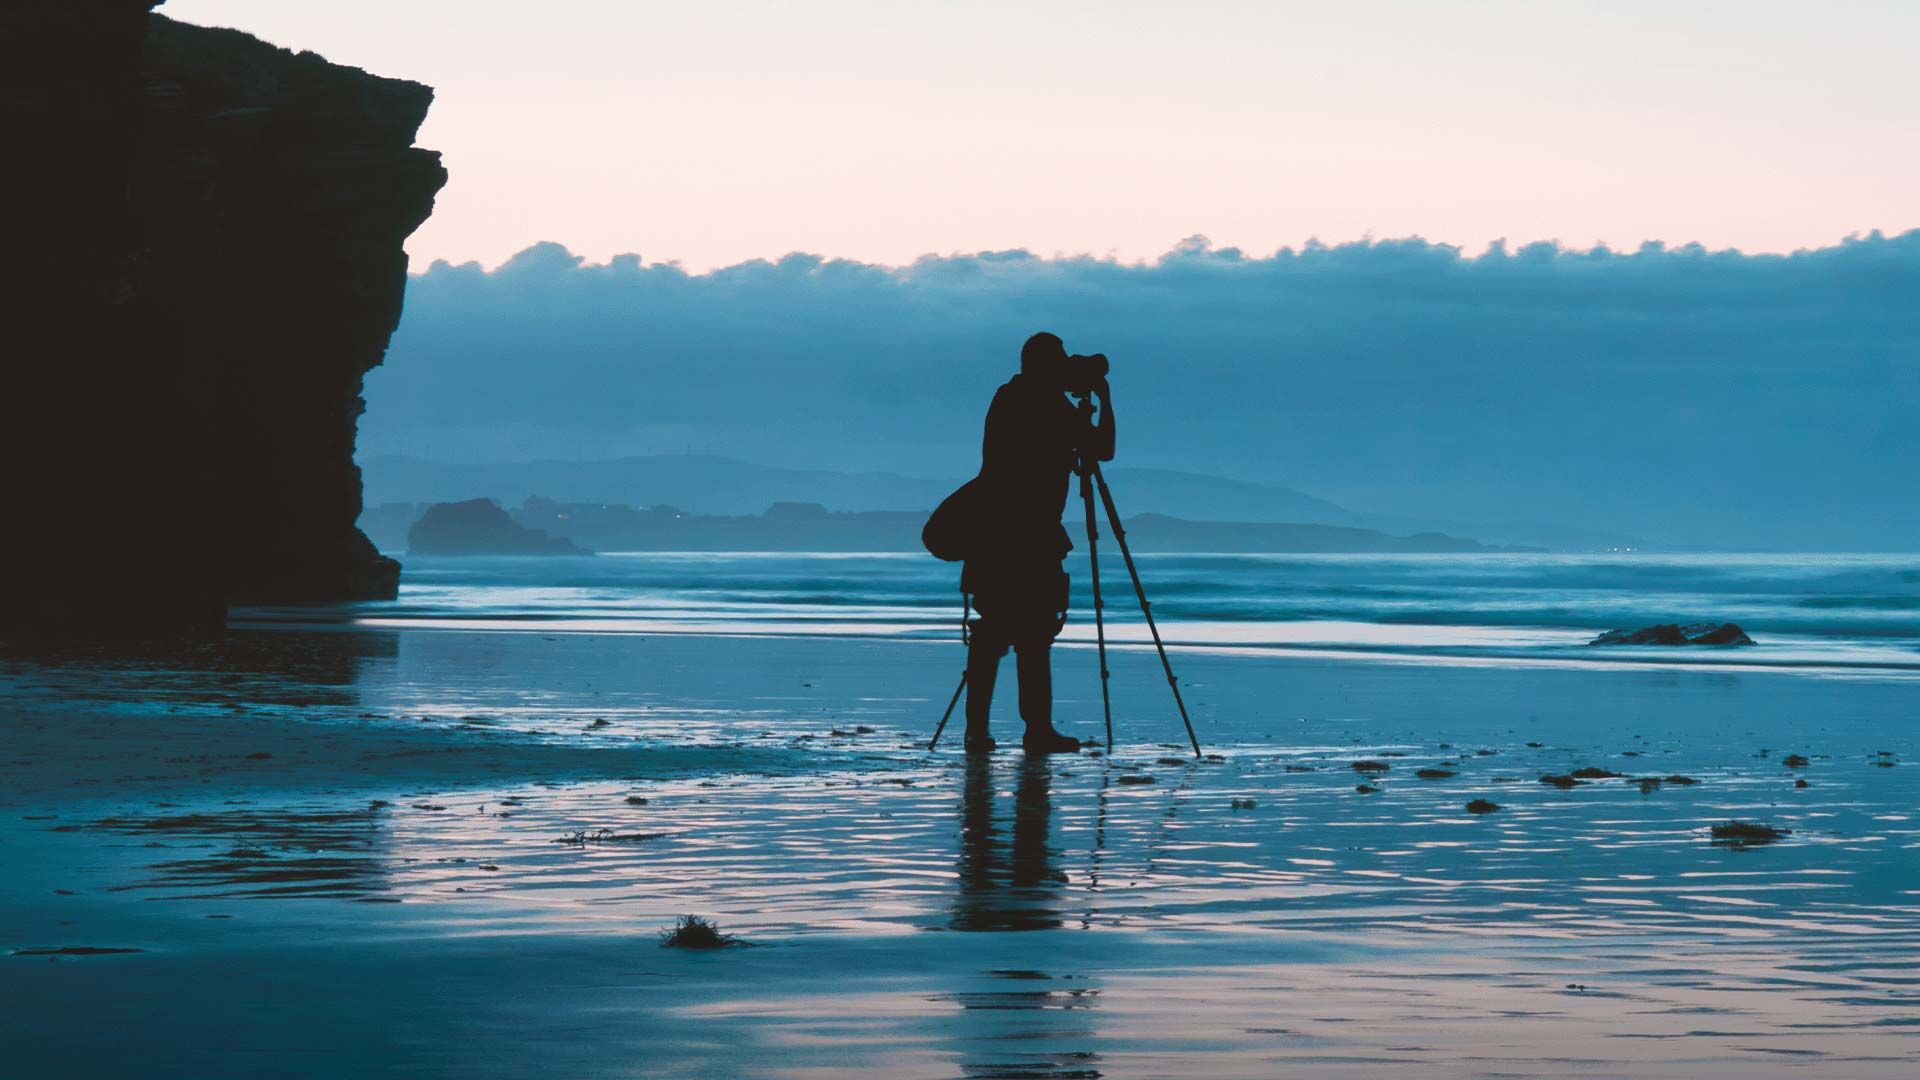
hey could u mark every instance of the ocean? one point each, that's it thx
(1822, 612)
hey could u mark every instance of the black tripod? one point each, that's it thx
(1091, 477)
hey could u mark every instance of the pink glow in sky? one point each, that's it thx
(712, 133)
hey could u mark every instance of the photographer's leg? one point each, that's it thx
(1035, 664)
(1036, 699)
(983, 669)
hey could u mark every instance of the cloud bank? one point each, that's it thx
(1693, 396)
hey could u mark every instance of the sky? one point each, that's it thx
(1639, 267)
(1675, 394)
(713, 133)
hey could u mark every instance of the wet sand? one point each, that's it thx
(439, 853)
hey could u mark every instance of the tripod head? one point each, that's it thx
(1083, 465)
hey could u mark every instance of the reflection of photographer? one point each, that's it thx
(1034, 440)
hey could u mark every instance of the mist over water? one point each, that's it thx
(1803, 610)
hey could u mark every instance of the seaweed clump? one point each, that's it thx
(694, 932)
(1743, 833)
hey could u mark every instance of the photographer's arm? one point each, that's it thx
(1101, 446)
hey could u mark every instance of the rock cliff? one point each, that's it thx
(209, 245)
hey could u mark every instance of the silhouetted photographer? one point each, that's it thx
(1005, 525)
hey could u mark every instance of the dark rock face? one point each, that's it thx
(1672, 634)
(210, 230)
(481, 527)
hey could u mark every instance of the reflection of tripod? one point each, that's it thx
(1090, 477)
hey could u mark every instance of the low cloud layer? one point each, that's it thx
(1687, 395)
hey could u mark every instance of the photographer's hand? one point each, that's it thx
(1101, 445)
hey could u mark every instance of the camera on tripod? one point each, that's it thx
(1081, 375)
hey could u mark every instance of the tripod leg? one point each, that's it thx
(1099, 609)
(1120, 535)
(945, 716)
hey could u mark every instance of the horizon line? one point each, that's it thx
(1198, 245)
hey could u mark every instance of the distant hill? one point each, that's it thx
(704, 484)
(791, 526)
(709, 485)
(695, 483)
(1158, 532)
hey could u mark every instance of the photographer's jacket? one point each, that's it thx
(1026, 466)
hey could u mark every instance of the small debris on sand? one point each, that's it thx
(694, 932)
(1435, 774)
(582, 837)
(1795, 761)
(1482, 806)
(1561, 782)
(1368, 765)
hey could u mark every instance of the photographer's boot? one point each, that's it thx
(1049, 742)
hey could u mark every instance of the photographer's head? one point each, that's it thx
(1042, 356)
(1044, 359)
